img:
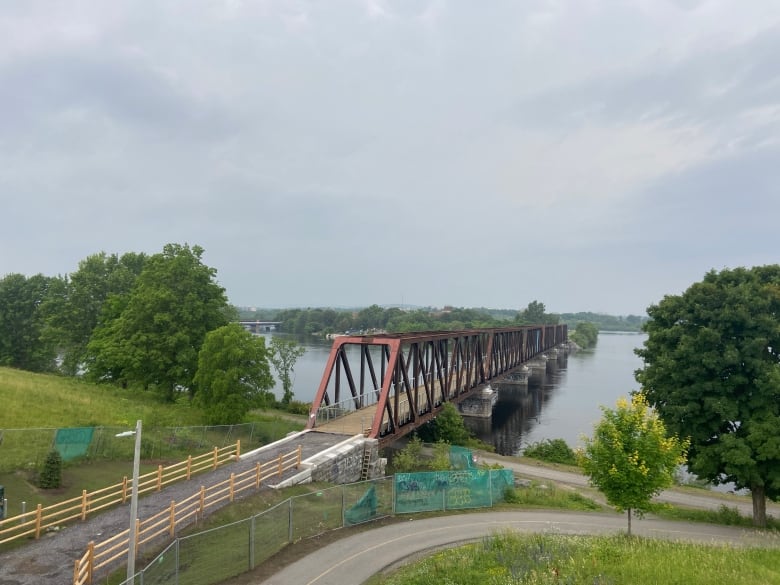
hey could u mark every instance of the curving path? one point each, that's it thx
(356, 558)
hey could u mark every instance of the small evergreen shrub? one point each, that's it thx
(552, 451)
(51, 474)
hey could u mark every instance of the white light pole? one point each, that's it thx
(131, 535)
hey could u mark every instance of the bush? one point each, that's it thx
(51, 474)
(552, 451)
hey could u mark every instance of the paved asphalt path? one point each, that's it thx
(356, 558)
(49, 561)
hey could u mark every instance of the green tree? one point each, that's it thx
(153, 336)
(585, 335)
(72, 313)
(50, 476)
(712, 370)
(233, 374)
(283, 355)
(535, 314)
(630, 458)
(447, 427)
(21, 322)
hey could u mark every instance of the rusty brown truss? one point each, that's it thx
(393, 383)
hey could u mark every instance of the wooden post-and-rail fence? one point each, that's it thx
(179, 514)
(35, 522)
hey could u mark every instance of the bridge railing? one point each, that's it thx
(340, 409)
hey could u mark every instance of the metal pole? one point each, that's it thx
(132, 536)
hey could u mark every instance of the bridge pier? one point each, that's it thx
(480, 405)
(538, 368)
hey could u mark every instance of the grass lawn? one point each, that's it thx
(518, 559)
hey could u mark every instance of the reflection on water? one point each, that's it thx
(518, 410)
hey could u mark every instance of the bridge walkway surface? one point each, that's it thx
(49, 560)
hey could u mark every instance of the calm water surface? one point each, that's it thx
(565, 405)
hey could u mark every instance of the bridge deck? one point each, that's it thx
(357, 422)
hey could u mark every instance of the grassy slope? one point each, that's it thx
(38, 401)
(45, 401)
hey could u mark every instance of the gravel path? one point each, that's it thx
(50, 560)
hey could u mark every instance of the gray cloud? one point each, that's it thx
(594, 156)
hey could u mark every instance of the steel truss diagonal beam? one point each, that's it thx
(401, 381)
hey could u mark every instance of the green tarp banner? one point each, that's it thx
(364, 510)
(450, 490)
(73, 443)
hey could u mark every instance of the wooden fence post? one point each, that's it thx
(232, 485)
(215, 457)
(159, 477)
(189, 466)
(38, 515)
(238, 449)
(298, 462)
(137, 532)
(257, 475)
(90, 560)
(202, 500)
(83, 505)
(124, 489)
(281, 465)
(172, 530)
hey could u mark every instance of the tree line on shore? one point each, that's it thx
(157, 323)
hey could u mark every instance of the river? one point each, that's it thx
(565, 405)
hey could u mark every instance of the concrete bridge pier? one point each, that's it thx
(480, 405)
(538, 368)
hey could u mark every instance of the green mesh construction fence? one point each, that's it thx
(450, 490)
(73, 443)
(215, 555)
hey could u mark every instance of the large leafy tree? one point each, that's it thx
(630, 458)
(153, 335)
(712, 370)
(21, 343)
(233, 374)
(74, 310)
(283, 355)
(535, 314)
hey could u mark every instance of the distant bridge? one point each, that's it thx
(385, 386)
(260, 326)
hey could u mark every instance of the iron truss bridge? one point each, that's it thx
(385, 386)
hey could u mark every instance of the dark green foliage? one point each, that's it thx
(50, 476)
(73, 310)
(152, 336)
(283, 354)
(21, 322)
(295, 407)
(233, 375)
(409, 458)
(552, 451)
(605, 322)
(447, 427)
(711, 370)
(586, 335)
(535, 314)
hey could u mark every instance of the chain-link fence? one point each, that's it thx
(215, 555)
(27, 448)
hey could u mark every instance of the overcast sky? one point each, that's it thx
(589, 154)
